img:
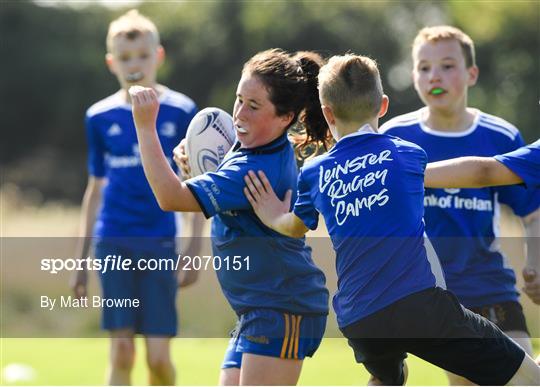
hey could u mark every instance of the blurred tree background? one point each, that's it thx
(53, 64)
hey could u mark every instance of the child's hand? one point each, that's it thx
(145, 107)
(181, 159)
(264, 200)
(79, 283)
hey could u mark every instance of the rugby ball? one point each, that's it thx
(209, 137)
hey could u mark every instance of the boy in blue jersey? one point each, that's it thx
(274, 287)
(369, 189)
(463, 223)
(519, 166)
(120, 211)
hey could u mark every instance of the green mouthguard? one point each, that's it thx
(437, 91)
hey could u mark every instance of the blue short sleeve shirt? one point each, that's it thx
(281, 274)
(463, 223)
(129, 206)
(369, 190)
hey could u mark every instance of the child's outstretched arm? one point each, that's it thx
(469, 172)
(271, 211)
(170, 192)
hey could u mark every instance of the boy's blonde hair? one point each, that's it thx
(131, 25)
(351, 85)
(438, 33)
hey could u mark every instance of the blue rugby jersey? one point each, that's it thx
(281, 274)
(463, 223)
(524, 162)
(369, 188)
(129, 206)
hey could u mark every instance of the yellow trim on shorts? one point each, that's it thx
(297, 339)
(289, 349)
(286, 337)
(293, 337)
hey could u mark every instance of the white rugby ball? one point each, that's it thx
(209, 137)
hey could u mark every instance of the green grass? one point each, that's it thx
(84, 361)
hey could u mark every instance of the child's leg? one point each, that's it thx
(373, 381)
(521, 338)
(383, 358)
(230, 368)
(528, 373)
(265, 370)
(229, 376)
(456, 380)
(510, 319)
(468, 344)
(120, 322)
(122, 357)
(158, 358)
(273, 345)
(156, 315)
(432, 325)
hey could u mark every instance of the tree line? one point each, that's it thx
(53, 65)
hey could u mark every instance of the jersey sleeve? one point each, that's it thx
(223, 190)
(522, 200)
(414, 158)
(96, 149)
(304, 207)
(524, 162)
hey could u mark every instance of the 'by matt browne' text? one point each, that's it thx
(71, 302)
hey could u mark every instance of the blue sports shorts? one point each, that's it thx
(155, 289)
(269, 332)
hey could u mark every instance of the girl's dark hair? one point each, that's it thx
(291, 81)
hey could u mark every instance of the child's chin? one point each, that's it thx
(438, 103)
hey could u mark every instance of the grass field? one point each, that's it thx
(83, 362)
(76, 361)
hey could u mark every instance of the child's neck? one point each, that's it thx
(449, 121)
(344, 129)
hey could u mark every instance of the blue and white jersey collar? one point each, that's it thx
(272, 147)
(441, 133)
(365, 129)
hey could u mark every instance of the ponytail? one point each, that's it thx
(313, 132)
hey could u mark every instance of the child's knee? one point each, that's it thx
(123, 353)
(159, 363)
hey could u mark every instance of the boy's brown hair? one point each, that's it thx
(131, 25)
(438, 33)
(351, 85)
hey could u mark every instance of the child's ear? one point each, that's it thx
(109, 60)
(286, 119)
(384, 106)
(474, 72)
(329, 116)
